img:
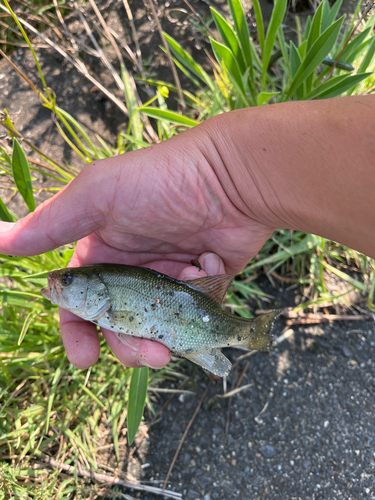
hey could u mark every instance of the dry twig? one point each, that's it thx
(168, 52)
(135, 36)
(104, 478)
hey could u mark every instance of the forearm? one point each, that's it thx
(306, 165)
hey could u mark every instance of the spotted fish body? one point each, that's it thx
(184, 316)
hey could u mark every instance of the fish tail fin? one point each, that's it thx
(260, 337)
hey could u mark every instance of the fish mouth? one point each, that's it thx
(52, 292)
(46, 293)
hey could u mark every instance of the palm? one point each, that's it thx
(167, 217)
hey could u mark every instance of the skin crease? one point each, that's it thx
(219, 189)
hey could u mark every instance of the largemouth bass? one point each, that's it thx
(185, 316)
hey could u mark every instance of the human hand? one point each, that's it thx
(159, 207)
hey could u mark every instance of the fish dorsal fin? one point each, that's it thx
(214, 287)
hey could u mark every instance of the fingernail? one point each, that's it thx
(5, 226)
(188, 277)
(213, 264)
(131, 342)
(141, 362)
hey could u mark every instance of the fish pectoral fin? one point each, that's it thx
(213, 360)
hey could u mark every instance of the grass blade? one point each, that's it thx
(26, 325)
(265, 97)
(5, 214)
(328, 19)
(185, 58)
(131, 103)
(368, 57)
(315, 55)
(295, 59)
(222, 53)
(336, 86)
(355, 47)
(259, 23)
(277, 17)
(352, 281)
(170, 116)
(315, 28)
(242, 29)
(21, 174)
(137, 398)
(229, 38)
(283, 46)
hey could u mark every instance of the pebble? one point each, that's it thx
(347, 352)
(267, 451)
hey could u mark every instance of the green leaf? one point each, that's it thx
(329, 15)
(21, 174)
(78, 127)
(282, 43)
(169, 116)
(315, 55)
(314, 34)
(5, 214)
(26, 325)
(52, 394)
(349, 279)
(295, 59)
(6, 157)
(229, 38)
(265, 97)
(131, 104)
(307, 29)
(336, 86)
(18, 298)
(277, 17)
(355, 46)
(368, 57)
(185, 58)
(315, 28)
(222, 53)
(259, 23)
(242, 29)
(137, 398)
(302, 49)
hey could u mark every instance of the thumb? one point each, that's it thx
(70, 215)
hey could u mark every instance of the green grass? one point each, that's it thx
(47, 407)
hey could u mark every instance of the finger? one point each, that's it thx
(80, 339)
(211, 265)
(70, 215)
(138, 352)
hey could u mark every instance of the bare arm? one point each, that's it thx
(311, 165)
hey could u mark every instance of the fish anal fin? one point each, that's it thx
(213, 360)
(214, 287)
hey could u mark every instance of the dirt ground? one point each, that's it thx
(304, 427)
(303, 430)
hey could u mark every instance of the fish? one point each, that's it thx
(185, 316)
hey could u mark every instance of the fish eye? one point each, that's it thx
(66, 279)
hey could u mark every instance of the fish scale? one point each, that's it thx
(184, 316)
